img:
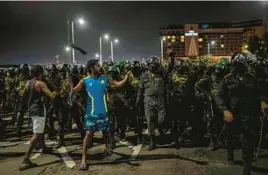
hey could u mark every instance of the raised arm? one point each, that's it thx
(118, 83)
(78, 87)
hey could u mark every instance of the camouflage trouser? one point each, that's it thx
(179, 114)
(246, 129)
(155, 114)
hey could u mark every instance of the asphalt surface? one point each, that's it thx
(127, 158)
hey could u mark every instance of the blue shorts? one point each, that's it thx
(97, 122)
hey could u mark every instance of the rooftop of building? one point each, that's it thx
(210, 25)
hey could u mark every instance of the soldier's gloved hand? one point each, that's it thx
(264, 107)
(228, 116)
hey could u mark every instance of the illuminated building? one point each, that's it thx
(217, 39)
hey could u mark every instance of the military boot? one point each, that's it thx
(211, 146)
(139, 139)
(230, 156)
(152, 145)
(60, 142)
(246, 171)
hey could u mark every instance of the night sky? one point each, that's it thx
(34, 32)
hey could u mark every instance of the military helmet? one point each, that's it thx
(240, 58)
(11, 69)
(52, 67)
(62, 68)
(180, 65)
(113, 70)
(153, 60)
(74, 69)
(24, 66)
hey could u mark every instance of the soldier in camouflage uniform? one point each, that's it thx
(61, 102)
(136, 116)
(2, 89)
(179, 92)
(153, 89)
(112, 101)
(239, 97)
(22, 80)
(74, 109)
(10, 85)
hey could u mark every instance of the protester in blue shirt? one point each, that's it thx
(96, 108)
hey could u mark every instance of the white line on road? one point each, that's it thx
(136, 151)
(35, 156)
(66, 158)
(6, 144)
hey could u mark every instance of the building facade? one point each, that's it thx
(216, 39)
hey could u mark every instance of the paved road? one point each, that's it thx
(126, 159)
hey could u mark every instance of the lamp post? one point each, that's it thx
(212, 43)
(106, 36)
(162, 47)
(112, 48)
(81, 22)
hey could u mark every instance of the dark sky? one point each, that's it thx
(35, 32)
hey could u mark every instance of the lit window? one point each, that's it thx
(173, 40)
(173, 37)
(182, 37)
(182, 40)
(200, 46)
(200, 39)
(168, 37)
(222, 36)
(164, 37)
(222, 45)
(246, 46)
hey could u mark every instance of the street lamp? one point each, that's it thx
(81, 21)
(212, 43)
(97, 55)
(106, 36)
(67, 49)
(162, 46)
(112, 48)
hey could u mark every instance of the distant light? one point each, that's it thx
(200, 39)
(97, 55)
(212, 42)
(81, 21)
(106, 36)
(246, 46)
(222, 45)
(116, 40)
(67, 49)
(164, 39)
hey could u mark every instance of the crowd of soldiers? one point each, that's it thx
(187, 98)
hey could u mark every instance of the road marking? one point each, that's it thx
(35, 156)
(47, 142)
(136, 151)
(66, 158)
(6, 144)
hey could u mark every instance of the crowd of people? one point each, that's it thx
(188, 99)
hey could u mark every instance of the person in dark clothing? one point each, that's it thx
(34, 92)
(240, 99)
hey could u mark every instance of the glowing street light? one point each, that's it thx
(116, 40)
(67, 49)
(97, 55)
(106, 36)
(81, 21)
(212, 42)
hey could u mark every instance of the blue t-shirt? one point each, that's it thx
(96, 91)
